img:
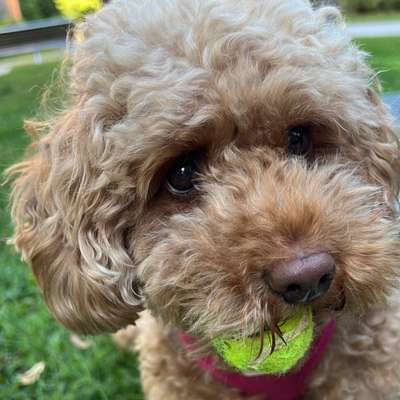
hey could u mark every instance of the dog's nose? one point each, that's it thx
(304, 279)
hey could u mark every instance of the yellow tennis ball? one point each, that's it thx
(242, 353)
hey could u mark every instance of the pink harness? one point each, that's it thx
(275, 387)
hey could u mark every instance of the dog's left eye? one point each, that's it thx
(299, 140)
(180, 179)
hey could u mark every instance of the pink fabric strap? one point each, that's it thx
(275, 387)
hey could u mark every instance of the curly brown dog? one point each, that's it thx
(220, 163)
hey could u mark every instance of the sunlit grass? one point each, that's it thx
(374, 17)
(385, 58)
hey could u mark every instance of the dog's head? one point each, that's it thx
(221, 162)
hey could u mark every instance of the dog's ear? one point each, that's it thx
(378, 147)
(71, 221)
(375, 144)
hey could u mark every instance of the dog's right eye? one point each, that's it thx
(299, 140)
(180, 179)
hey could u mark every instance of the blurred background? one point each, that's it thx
(38, 358)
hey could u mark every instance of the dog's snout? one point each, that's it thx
(304, 279)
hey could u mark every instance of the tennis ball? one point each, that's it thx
(241, 353)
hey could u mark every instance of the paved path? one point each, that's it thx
(364, 29)
(393, 101)
(374, 29)
(32, 47)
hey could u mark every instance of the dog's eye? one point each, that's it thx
(299, 141)
(180, 179)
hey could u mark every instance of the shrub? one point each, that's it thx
(364, 6)
(37, 9)
(77, 8)
(391, 4)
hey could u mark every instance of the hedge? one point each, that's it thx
(365, 6)
(37, 9)
(77, 8)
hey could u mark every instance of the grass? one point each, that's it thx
(374, 17)
(385, 58)
(52, 55)
(28, 334)
(6, 21)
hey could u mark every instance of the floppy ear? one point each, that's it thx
(375, 142)
(378, 148)
(72, 218)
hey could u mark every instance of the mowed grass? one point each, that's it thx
(385, 58)
(374, 17)
(28, 334)
(46, 56)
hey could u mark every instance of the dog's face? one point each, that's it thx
(221, 163)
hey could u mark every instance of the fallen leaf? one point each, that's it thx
(80, 343)
(32, 375)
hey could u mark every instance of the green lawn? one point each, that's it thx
(385, 58)
(374, 17)
(28, 334)
(51, 55)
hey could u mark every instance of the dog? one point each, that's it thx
(220, 164)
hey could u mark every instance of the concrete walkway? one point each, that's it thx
(32, 47)
(356, 30)
(374, 29)
(393, 101)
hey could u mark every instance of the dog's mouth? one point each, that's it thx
(270, 352)
(322, 311)
(275, 348)
(320, 314)
(284, 347)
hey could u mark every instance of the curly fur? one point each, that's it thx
(155, 80)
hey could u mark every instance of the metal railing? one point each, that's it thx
(49, 30)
